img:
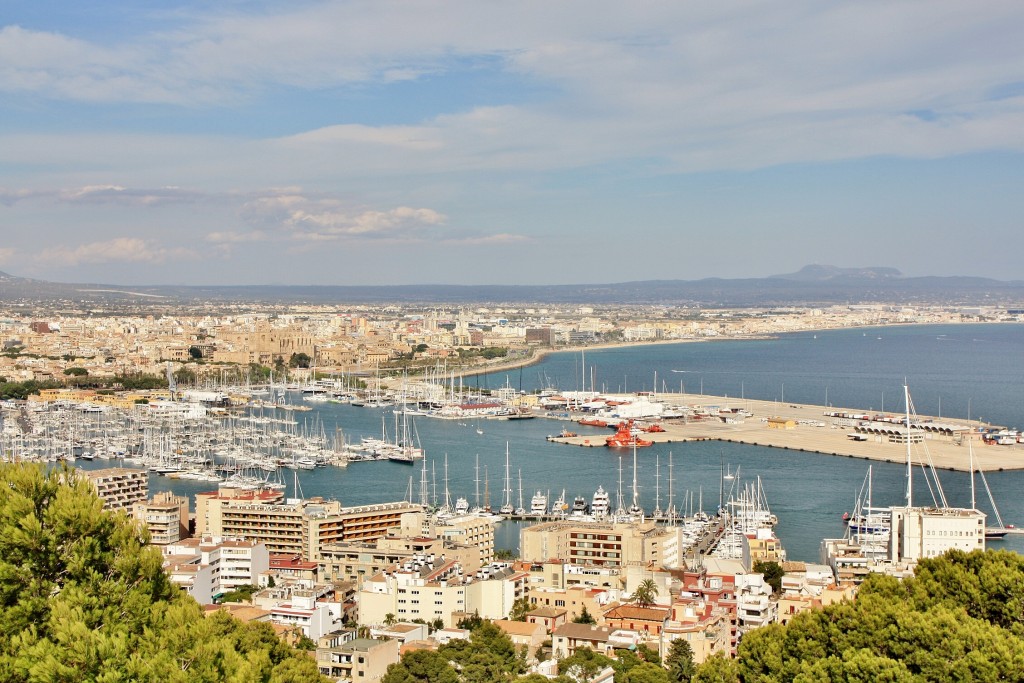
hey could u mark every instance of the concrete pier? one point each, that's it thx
(831, 439)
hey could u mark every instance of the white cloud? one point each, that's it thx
(317, 219)
(698, 87)
(120, 249)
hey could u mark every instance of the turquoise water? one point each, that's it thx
(974, 367)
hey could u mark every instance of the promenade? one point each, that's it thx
(830, 439)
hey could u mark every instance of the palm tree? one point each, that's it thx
(645, 593)
(389, 619)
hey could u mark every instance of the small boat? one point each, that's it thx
(592, 422)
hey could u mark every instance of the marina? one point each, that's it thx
(808, 492)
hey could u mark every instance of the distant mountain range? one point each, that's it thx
(814, 284)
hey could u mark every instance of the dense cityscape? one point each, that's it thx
(211, 398)
(511, 342)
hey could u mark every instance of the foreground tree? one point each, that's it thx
(583, 665)
(961, 617)
(83, 597)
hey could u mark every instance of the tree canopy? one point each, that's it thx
(84, 598)
(489, 656)
(960, 618)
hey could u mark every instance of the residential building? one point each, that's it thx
(119, 487)
(530, 635)
(434, 589)
(208, 567)
(297, 528)
(921, 532)
(362, 659)
(165, 516)
(601, 544)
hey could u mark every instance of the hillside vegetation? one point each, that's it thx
(83, 598)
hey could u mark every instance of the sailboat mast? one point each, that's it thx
(671, 505)
(424, 492)
(910, 467)
(657, 485)
(636, 495)
(970, 450)
(447, 496)
(477, 500)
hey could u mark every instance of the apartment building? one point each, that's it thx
(362, 659)
(299, 528)
(119, 487)
(210, 566)
(431, 589)
(601, 544)
(165, 516)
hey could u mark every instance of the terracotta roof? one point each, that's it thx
(636, 612)
(583, 632)
(518, 628)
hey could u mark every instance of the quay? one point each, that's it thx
(800, 431)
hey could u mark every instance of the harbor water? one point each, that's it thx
(953, 371)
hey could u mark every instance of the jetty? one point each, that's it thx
(817, 429)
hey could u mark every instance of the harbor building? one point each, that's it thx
(473, 532)
(762, 546)
(120, 487)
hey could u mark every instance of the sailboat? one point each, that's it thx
(506, 504)
(520, 510)
(991, 533)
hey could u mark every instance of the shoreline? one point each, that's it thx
(539, 354)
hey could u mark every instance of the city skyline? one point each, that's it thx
(344, 143)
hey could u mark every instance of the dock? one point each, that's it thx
(804, 435)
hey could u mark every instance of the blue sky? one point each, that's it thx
(383, 142)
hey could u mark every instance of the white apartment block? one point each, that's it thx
(209, 567)
(919, 532)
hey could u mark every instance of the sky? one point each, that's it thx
(373, 142)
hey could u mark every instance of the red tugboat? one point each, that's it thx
(626, 436)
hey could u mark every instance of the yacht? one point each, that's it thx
(539, 504)
(560, 507)
(579, 507)
(601, 502)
